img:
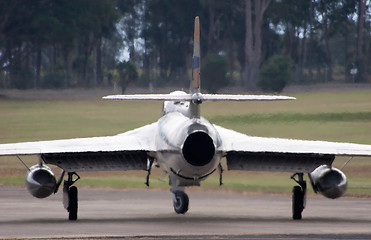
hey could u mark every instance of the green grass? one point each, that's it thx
(293, 117)
(327, 115)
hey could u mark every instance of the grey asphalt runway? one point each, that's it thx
(148, 214)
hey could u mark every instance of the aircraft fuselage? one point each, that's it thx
(188, 148)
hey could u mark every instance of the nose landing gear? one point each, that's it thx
(180, 198)
(180, 202)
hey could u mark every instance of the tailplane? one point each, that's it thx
(198, 97)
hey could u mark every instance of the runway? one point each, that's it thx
(148, 214)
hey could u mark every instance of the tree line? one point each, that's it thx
(83, 43)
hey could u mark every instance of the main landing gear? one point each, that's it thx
(70, 196)
(298, 196)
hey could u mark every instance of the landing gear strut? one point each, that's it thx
(180, 198)
(298, 196)
(70, 196)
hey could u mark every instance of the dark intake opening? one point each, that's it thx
(198, 149)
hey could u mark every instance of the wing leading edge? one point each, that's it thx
(285, 155)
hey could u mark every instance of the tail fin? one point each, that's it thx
(195, 84)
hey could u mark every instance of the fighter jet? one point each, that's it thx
(188, 148)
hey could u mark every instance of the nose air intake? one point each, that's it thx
(198, 149)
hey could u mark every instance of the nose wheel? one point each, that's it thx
(180, 202)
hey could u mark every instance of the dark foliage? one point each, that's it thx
(214, 73)
(275, 74)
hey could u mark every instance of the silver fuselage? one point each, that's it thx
(188, 149)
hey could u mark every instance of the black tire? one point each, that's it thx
(72, 203)
(297, 202)
(181, 202)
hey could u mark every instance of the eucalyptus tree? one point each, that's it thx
(254, 13)
(167, 32)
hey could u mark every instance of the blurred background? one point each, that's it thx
(246, 45)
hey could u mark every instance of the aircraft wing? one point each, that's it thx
(285, 155)
(127, 151)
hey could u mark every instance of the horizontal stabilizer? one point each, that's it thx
(198, 96)
(159, 97)
(232, 97)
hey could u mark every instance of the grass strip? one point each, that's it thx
(293, 117)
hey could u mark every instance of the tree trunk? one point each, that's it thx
(85, 81)
(98, 63)
(289, 40)
(67, 68)
(310, 54)
(88, 48)
(38, 67)
(253, 43)
(230, 53)
(328, 51)
(302, 55)
(124, 85)
(256, 60)
(360, 61)
(211, 33)
(248, 43)
(361, 12)
(55, 52)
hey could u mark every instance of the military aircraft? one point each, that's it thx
(188, 148)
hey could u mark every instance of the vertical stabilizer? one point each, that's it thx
(194, 108)
(195, 84)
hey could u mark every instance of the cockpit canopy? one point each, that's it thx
(176, 106)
